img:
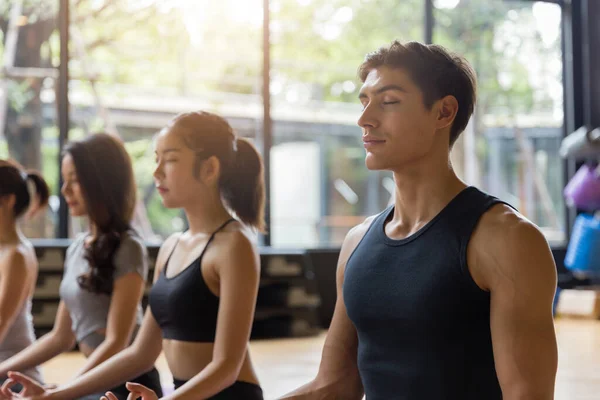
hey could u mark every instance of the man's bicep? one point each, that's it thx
(341, 344)
(524, 348)
(341, 330)
(339, 358)
(521, 318)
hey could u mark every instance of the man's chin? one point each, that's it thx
(374, 164)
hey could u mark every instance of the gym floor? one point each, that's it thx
(285, 364)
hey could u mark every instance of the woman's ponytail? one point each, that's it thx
(28, 187)
(243, 185)
(42, 191)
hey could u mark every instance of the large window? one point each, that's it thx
(138, 63)
(320, 185)
(135, 64)
(511, 146)
(29, 53)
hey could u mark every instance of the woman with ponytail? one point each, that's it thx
(105, 268)
(202, 304)
(22, 193)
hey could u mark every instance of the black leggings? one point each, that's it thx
(238, 391)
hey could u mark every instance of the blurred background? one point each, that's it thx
(133, 64)
(284, 74)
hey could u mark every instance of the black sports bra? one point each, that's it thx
(183, 305)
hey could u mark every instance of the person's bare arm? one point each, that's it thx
(129, 363)
(239, 274)
(127, 292)
(14, 278)
(57, 341)
(338, 375)
(515, 264)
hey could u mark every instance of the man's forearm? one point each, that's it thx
(339, 389)
(525, 393)
(302, 393)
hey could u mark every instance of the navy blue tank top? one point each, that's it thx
(423, 324)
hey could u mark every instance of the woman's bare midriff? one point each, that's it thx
(187, 359)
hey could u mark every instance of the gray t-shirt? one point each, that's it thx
(88, 310)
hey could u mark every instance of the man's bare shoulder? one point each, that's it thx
(354, 237)
(506, 244)
(358, 231)
(503, 226)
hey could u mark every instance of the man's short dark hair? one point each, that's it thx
(436, 71)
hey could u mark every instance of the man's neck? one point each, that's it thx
(421, 193)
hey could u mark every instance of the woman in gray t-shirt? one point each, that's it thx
(21, 193)
(105, 268)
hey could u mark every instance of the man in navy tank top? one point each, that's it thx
(447, 294)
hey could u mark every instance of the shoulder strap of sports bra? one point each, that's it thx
(212, 236)
(217, 231)
(171, 253)
(220, 228)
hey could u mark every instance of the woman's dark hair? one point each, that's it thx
(14, 179)
(242, 178)
(105, 175)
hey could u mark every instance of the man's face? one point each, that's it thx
(397, 127)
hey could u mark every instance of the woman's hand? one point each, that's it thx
(136, 390)
(31, 388)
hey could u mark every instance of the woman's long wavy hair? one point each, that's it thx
(105, 174)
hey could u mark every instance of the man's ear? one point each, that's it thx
(447, 107)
